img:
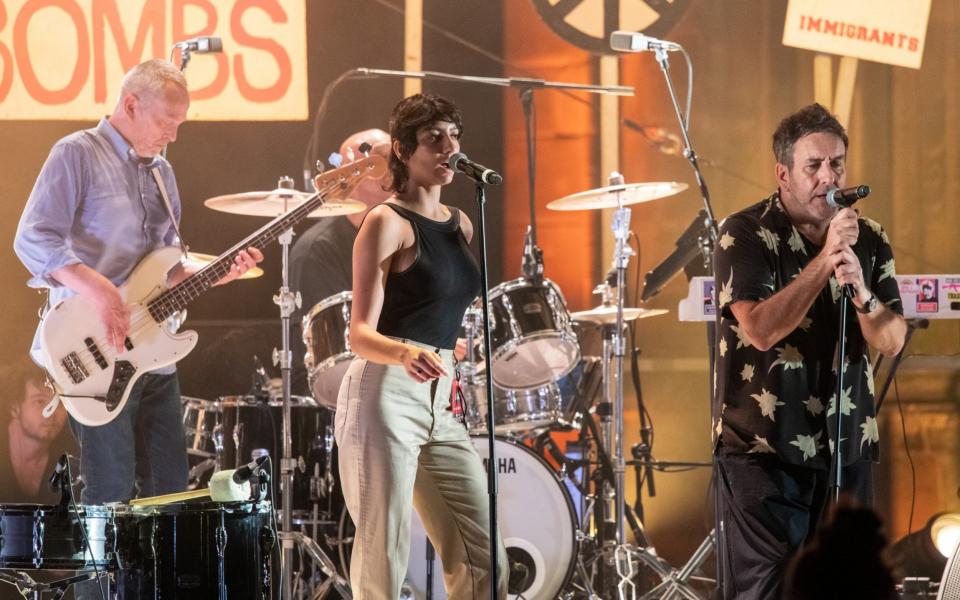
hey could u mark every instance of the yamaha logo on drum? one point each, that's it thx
(504, 465)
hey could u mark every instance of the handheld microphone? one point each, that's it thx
(201, 45)
(846, 197)
(630, 41)
(245, 472)
(475, 171)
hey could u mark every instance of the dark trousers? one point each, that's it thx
(769, 509)
(144, 444)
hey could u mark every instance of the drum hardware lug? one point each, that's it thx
(37, 538)
(301, 464)
(237, 436)
(287, 465)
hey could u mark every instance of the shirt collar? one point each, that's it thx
(778, 213)
(120, 145)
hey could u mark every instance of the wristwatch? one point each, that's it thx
(869, 306)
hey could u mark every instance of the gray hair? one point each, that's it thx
(148, 79)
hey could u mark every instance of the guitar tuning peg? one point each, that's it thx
(335, 160)
(365, 148)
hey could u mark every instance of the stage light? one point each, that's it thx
(945, 532)
(924, 553)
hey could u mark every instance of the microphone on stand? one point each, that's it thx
(531, 264)
(201, 45)
(245, 472)
(475, 171)
(630, 41)
(58, 477)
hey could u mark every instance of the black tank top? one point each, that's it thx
(426, 301)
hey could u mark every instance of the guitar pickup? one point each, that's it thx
(74, 367)
(123, 371)
(95, 351)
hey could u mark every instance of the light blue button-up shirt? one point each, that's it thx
(95, 202)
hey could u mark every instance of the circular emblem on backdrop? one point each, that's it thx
(589, 23)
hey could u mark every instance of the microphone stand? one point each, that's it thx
(488, 384)
(841, 355)
(707, 245)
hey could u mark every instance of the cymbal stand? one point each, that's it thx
(626, 557)
(288, 301)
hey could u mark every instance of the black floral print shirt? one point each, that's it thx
(782, 401)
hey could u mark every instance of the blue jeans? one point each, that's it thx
(144, 445)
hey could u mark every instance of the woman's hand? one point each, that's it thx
(422, 365)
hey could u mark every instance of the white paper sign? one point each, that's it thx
(885, 31)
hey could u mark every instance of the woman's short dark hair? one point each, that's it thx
(409, 115)
(809, 119)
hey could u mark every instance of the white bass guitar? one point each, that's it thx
(93, 380)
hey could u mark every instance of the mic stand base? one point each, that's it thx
(310, 547)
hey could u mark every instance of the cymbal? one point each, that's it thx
(279, 201)
(607, 315)
(199, 260)
(627, 193)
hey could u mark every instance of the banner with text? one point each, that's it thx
(885, 31)
(63, 59)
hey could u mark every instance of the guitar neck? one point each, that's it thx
(179, 296)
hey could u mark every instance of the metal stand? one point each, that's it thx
(35, 590)
(488, 390)
(707, 244)
(845, 295)
(288, 302)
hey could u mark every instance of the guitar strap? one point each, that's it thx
(166, 203)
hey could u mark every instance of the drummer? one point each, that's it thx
(320, 258)
(400, 446)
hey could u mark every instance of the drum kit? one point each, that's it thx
(557, 507)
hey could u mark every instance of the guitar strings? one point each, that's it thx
(142, 320)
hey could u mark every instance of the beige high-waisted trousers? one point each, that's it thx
(400, 443)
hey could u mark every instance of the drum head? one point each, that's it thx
(537, 522)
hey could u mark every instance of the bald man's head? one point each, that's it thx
(369, 191)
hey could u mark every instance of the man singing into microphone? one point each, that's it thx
(781, 266)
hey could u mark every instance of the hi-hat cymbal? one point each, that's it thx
(279, 201)
(198, 260)
(607, 315)
(625, 193)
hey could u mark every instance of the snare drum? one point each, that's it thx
(562, 403)
(195, 550)
(326, 335)
(532, 338)
(516, 410)
(36, 536)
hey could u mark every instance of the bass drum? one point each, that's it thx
(537, 522)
